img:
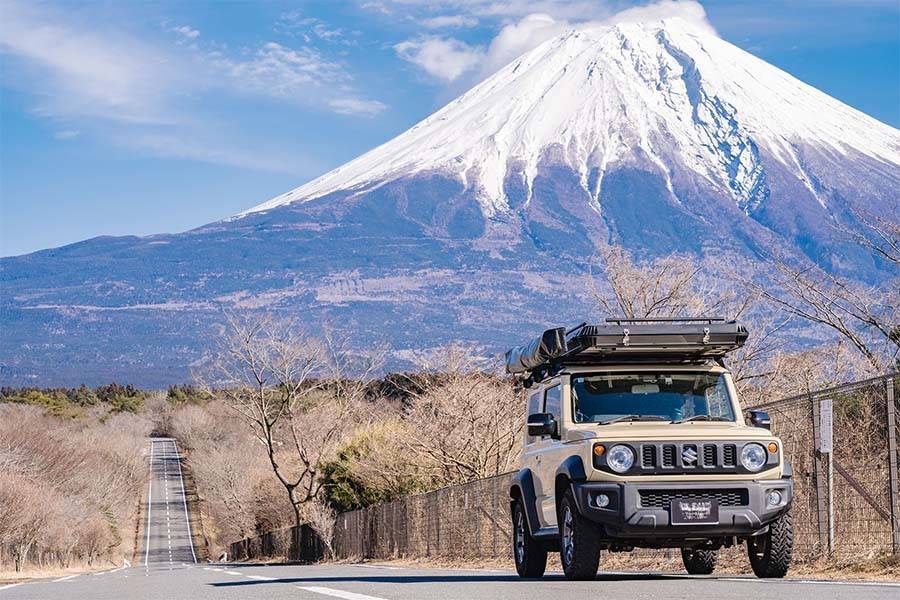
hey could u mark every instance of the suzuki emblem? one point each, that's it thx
(689, 456)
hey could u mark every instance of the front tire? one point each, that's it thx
(531, 558)
(770, 553)
(699, 562)
(579, 541)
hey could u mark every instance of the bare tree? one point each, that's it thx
(878, 234)
(467, 424)
(669, 286)
(866, 317)
(322, 519)
(295, 393)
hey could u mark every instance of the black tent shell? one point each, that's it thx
(629, 340)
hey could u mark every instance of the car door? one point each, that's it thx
(531, 453)
(549, 454)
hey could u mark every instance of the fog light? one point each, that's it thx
(773, 498)
(601, 500)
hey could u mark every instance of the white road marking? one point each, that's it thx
(149, 506)
(11, 585)
(261, 577)
(66, 578)
(338, 593)
(381, 567)
(232, 573)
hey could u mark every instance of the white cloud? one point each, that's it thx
(517, 38)
(66, 134)
(191, 34)
(454, 61)
(443, 58)
(449, 21)
(357, 106)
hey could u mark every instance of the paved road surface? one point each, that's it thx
(168, 571)
(167, 531)
(374, 582)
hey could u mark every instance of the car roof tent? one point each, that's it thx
(679, 340)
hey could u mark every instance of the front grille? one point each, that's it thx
(668, 454)
(730, 455)
(709, 455)
(663, 498)
(686, 457)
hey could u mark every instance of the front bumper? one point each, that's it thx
(627, 515)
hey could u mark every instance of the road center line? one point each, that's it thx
(232, 573)
(66, 578)
(261, 577)
(338, 593)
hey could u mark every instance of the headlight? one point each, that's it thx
(753, 457)
(620, 458)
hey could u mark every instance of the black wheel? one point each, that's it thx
(531, 558)
(579, 541)
(699, 562)
(770, 553)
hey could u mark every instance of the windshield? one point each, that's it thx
(652, 396)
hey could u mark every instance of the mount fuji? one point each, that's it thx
(479, 224)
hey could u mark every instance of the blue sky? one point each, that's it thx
(141, 117)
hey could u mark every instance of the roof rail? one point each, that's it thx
(665, 320)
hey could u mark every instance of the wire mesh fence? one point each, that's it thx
(841, 442)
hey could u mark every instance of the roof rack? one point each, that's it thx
(688, 339)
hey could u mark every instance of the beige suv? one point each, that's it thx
(636, 438)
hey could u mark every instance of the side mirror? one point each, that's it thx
(541, 424)
(760, 418)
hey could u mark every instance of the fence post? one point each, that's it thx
(892, 464)
(821, 510)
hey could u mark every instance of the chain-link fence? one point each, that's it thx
(841, 442)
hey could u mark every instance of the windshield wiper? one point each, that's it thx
(701, 418)
(633, 418)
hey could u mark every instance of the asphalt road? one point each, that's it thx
(375, 582)
(169, 571)
(167, 530)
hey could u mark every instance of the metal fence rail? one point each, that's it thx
(847, 502)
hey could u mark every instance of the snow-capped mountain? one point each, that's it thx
(666, 93)
(480, 222)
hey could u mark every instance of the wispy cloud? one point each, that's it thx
(66, 134)
(357, 106)
(152, 92)
(449, 21)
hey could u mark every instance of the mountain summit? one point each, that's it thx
(480, 222)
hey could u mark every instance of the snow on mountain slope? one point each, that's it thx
(664, 93)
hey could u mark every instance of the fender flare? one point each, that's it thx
(524, 483)
(788, 471)
(573, 470)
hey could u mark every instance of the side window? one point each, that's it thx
(553, 401)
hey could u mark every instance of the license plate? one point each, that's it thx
(699, 511)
